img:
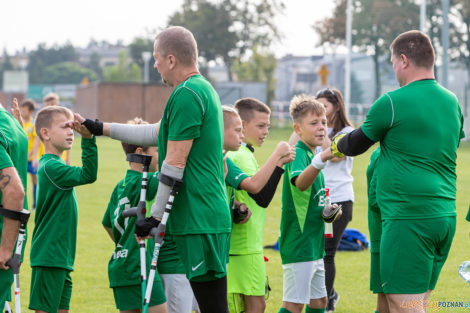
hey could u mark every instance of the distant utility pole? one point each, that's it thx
(422, 16)
(146, 55)
(445, 41)
(347, 65)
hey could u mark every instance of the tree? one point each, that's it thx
(94, 64)
(43, 57)
(375, 24)
(259, 68)
(229, 29)
(67, 73)
(139, 45)
(124, 71)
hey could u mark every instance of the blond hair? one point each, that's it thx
(51, 98)
(45, 117)
(300, 105)
(229, 113)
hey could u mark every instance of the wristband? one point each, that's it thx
(317, 162)
(95, 127)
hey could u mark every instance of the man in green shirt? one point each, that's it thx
(419, 127)
(55, 231)
(13, 174)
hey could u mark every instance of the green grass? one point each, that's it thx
(90, 279)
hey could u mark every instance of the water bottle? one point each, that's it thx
(328, 226)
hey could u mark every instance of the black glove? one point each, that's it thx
(239, 213)
(143, 227)
(95, 127)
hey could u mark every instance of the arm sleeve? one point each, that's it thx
(379, 119)
(5, 160)
(185, 115)
(111, 206)
(152, 186)
(354, 143)
(264, 197)
(145, 135)
(235, 175)
(298, 165)
(66, 176)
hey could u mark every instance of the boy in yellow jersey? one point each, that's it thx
(51, 99)
(27, 109)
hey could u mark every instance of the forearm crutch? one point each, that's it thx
(15, 262)
(158, 233)
(141, 210)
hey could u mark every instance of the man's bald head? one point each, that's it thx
(180, 42)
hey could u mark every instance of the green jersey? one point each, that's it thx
(13, 150)
(55, 231)
(247, 238)
(124, 264)
(194, 112)
(419, 127)
(375, 223)
(302, 236)
(233, 179)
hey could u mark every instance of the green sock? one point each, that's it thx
(283, 310)
(310, 310)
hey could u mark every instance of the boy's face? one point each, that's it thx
(256, 129)
(312, 129)
(153, 151)
(26, 114)
(59, 135)
(233, 134)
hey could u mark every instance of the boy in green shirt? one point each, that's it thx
(124, 264)
(302, 243)
(55, 232)
(246, 272)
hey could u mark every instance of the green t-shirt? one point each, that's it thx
(233, 179)
(194, 112)
(419, 127)
(55, 231)
(13, 151)
(247, 238)
(302, 237)
(375, 222)
(124, 264)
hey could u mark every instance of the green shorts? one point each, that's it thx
(130, 297)
(169, 261)
(6, 279)
(413, 252)
(204, 255)
(375, 283)
(246, 274)
(375, 229)
(51, 289)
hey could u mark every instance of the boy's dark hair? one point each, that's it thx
(302, 104)
(130, 148)
(29, 103)
(247, 106)
(416, 46)
(45, 117)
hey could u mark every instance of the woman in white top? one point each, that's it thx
(338, 179)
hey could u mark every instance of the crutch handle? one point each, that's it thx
(129, 212)
(14, 263)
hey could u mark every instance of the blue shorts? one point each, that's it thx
(31, 169)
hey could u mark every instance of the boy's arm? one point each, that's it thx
(308, 176)
(35, 150)
(264, 197)
(66, 176)
(283, 154)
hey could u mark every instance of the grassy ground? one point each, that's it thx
(90, 280)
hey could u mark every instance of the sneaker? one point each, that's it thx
(332, 301)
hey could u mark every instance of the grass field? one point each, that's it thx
(90, 280)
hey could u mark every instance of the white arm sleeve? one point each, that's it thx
(145, 135)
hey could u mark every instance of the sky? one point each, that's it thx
(25, 23)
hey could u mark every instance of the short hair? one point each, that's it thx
(45, 117)
(51, 96)
(416, 46)
(29, 103)
(130, 148)
(302, 104)
(229, 113)
(246, 108)
(180, 42)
